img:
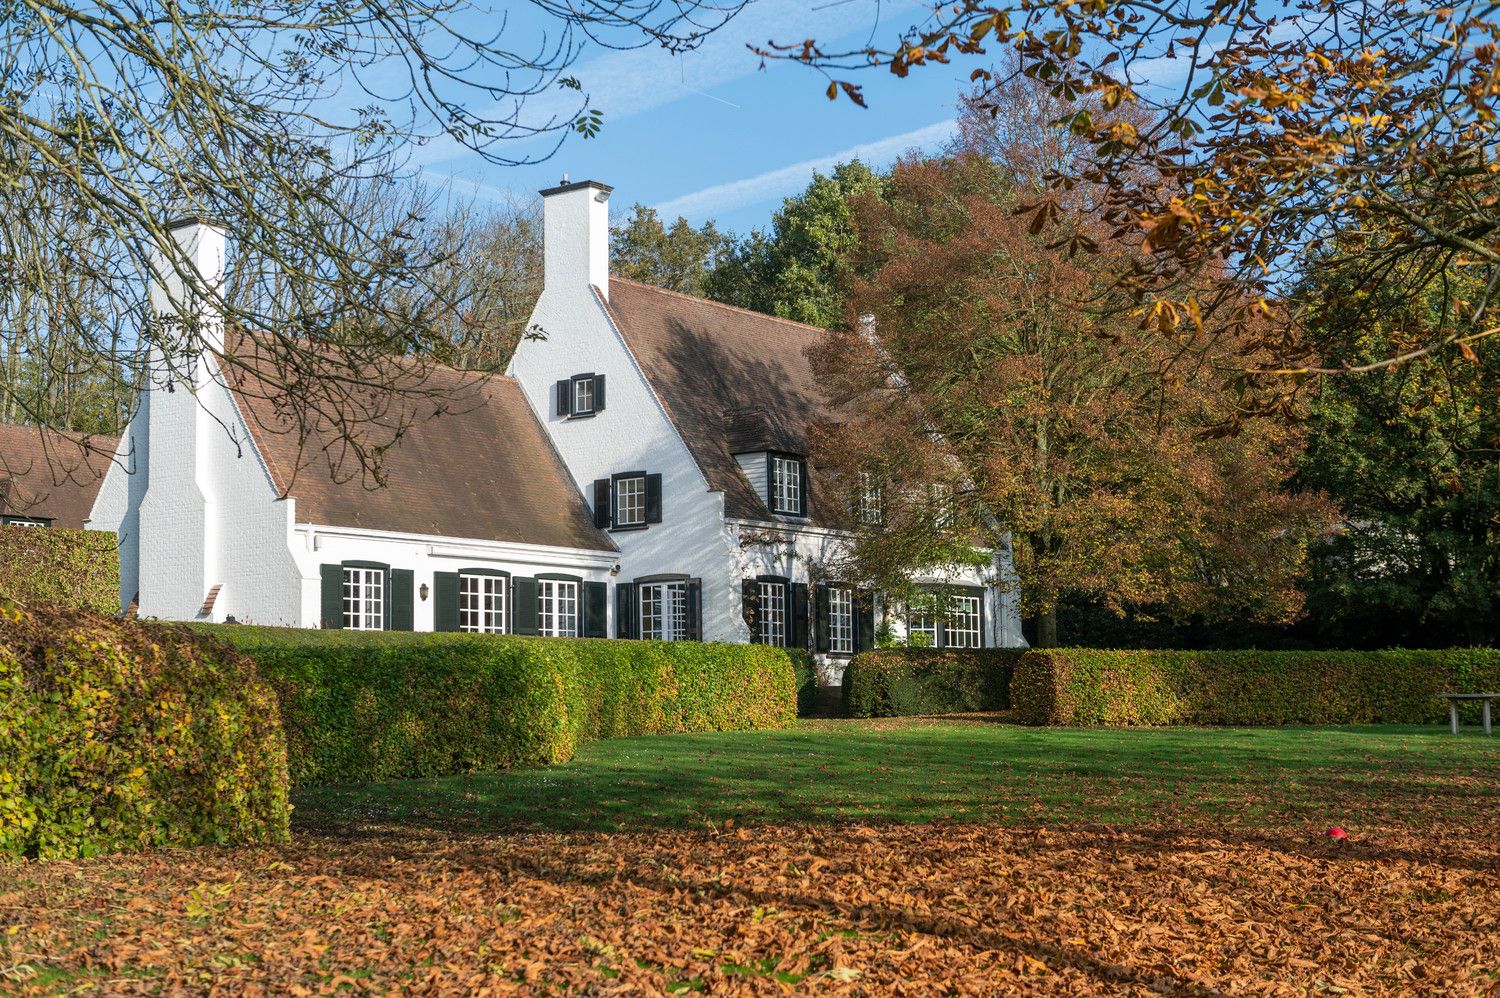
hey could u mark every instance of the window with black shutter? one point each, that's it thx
(580, 396)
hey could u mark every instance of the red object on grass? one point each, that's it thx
(1336, 833)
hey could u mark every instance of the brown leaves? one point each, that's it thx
(837, 910)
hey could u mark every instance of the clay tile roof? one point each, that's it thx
(51, 476)
(732, 381)
(482, 469)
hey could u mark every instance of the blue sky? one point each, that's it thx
(709, 134)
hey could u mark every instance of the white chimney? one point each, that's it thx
(575, 236)
(199, 258)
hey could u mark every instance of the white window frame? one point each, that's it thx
(922, 623)
(557, 608)
(24, 521)
(630, 494)
(663, 607)
(840, 620)
(786, 485)
(771, 613)
(970, 632)
(941, 498)
(364, 599)
(871, 513)
(583, 388)
(483, 603)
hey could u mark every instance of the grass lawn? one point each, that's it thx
(959, 769)
(943, 856)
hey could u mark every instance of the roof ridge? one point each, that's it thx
(718, 304)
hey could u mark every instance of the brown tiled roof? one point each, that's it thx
(49, 475)
(731, 380)
(483, 468)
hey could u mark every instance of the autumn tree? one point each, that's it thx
(676, 257)
(998, 407)
(1274, 133)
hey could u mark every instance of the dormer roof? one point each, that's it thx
(51, 476)
(732, 381)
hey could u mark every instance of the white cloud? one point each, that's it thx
(784, 180)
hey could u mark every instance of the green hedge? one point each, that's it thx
(1088, 686)
(897, 682)
(361, 707)
(118, 735)
(56, 567)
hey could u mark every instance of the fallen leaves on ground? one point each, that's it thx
(836, 909)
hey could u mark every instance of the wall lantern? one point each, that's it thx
(423, 591)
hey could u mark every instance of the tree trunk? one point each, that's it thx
(1046, 628)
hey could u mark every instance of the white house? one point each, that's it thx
(640, 471)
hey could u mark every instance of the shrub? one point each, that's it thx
(118, 735)
(896, 682)
(1088, 686)
(361, 707)
(57, 567)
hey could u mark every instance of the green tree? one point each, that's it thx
(1412, 454)
(676, 257)
(801, 269)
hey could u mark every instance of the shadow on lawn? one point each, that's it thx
(950, 770)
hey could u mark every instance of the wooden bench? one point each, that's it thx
(1453, 701)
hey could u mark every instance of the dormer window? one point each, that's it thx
(25, 521)
(871, 501)
(788, 485)
(581, 395)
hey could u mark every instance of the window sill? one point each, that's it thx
(629, 528)
(580, 415)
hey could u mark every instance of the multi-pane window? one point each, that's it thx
(557, 608)
(481, 603)
(786, 485)
(583, 396)
(773, 614)
(664, 611)
(364, 599)
(870, 512)
(630, 502)
(841, 621)
(922, 630)
(24, 521)
(962, 628)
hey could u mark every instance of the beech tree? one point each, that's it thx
(263, 117)
(1060, 435)
(1285, 130)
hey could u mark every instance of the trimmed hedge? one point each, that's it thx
(360, 707)
(118, 735)
(1076, 686)
(58, 567)
(898, 682)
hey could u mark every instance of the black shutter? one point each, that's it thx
(798, 636)
(598, 393)
(653, 498)
(595, 610)
(445, 601)
(751, 590)
(402, 609)
(565, 397)
(523, 607)
(333, 597)
(627, 611)
(694, 609)
(820, 617)
(864, 621)
(803, 496)
(601, 503)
